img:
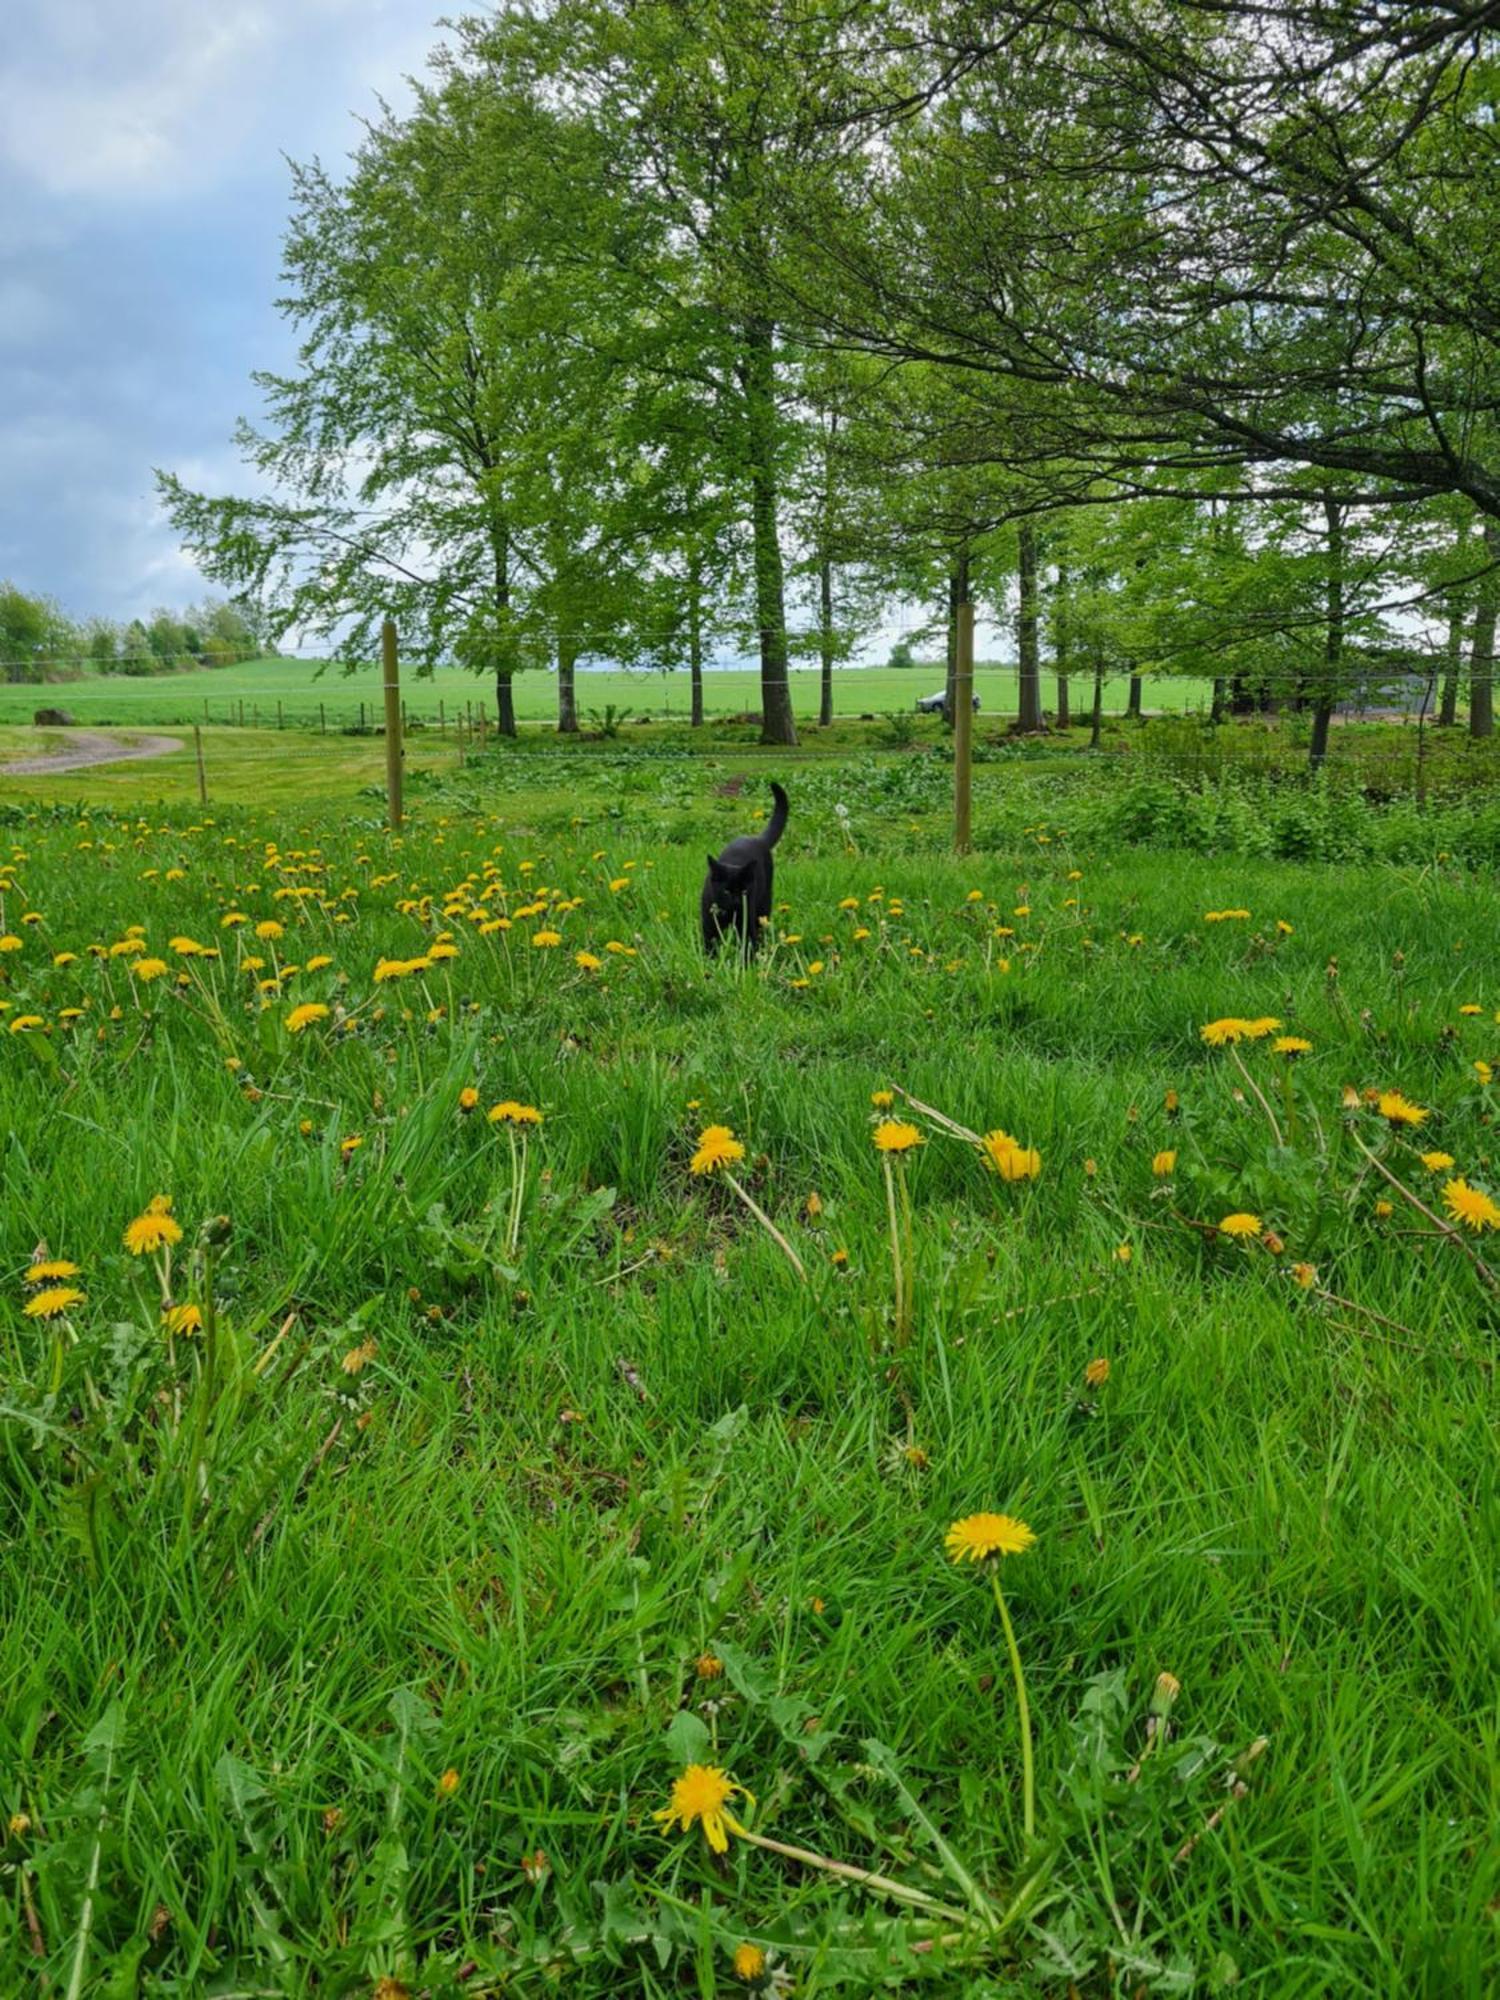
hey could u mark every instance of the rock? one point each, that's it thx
(52, 718)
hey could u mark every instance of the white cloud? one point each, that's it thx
(111, 100)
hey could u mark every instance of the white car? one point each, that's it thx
(937, 704)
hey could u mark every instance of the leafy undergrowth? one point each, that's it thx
(419, 1494)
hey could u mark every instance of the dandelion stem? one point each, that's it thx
(890, 1202)
(768, 1225)
(1259, 1094)
(866, 1877)
(1023, 1712)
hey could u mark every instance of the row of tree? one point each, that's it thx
(1167, 330)
(40, 642)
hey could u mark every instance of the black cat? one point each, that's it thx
(737, 894)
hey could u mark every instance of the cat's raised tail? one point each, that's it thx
(776, 826)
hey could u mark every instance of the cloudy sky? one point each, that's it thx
(143, 191)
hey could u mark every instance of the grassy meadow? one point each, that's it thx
(303, 688)
(425, 1440)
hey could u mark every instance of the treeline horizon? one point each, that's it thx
(40, 643)
(1166, 340)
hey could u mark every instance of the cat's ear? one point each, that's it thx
(716, 868)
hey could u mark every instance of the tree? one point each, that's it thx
(427, 445)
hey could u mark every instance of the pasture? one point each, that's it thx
(310, 690)
(423, 1442)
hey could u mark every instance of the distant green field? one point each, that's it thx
(311, 694)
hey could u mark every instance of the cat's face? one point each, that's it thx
(727, 890)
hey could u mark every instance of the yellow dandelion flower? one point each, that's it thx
(1260, 1027)
(468, 1098)
(703, 1793)
(1306, 1275)
(26, 1024)
(1164, 1163)
(182, 1319)
(10, 942)
(1384, 1210)
(749, 1962)
(1009, 1158)
(1483, 1071)
(51, 1271)
(1399, 1110)
(1471, 1007)
(148, 968)
(1097, 1372)
(448, 1783)
(545, 940)
(1241, 1226)
(717, 1147)
(977, 1537)
(153, 1231)
(882, 1099)
(305, 1015)
(894, 1135)
(509, 1112)
(53, 1302)
(1471, 1206)
(1217, 1034)
(1291, 1045)
(1437, 1163)
(708, 1666)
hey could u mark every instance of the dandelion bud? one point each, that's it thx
(448, 1784)
(1097, 1372)
(333, 1819)
(1164, 1694)
(1306, 1275)
(749, 1962)
(1273, 1242)
(1351, 1098)
(709, 1666)
(18, 1825)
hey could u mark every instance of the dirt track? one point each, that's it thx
(88, 747)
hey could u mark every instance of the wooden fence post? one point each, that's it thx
(393, 750)
(202, 774)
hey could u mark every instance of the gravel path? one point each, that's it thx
(87, 747)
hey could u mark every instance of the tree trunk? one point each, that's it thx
(505, 700)
(758, 382)
(1096, 720)
(1029, 670)
(567, 700)
(1133, 702)
(1482, 646)
(1333, 633)
(1062, 646)
(1220, 697)
(1453, 662)
(825, 641)
(695, 648)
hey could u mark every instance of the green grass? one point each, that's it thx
(253, 1616)
(302, 690)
